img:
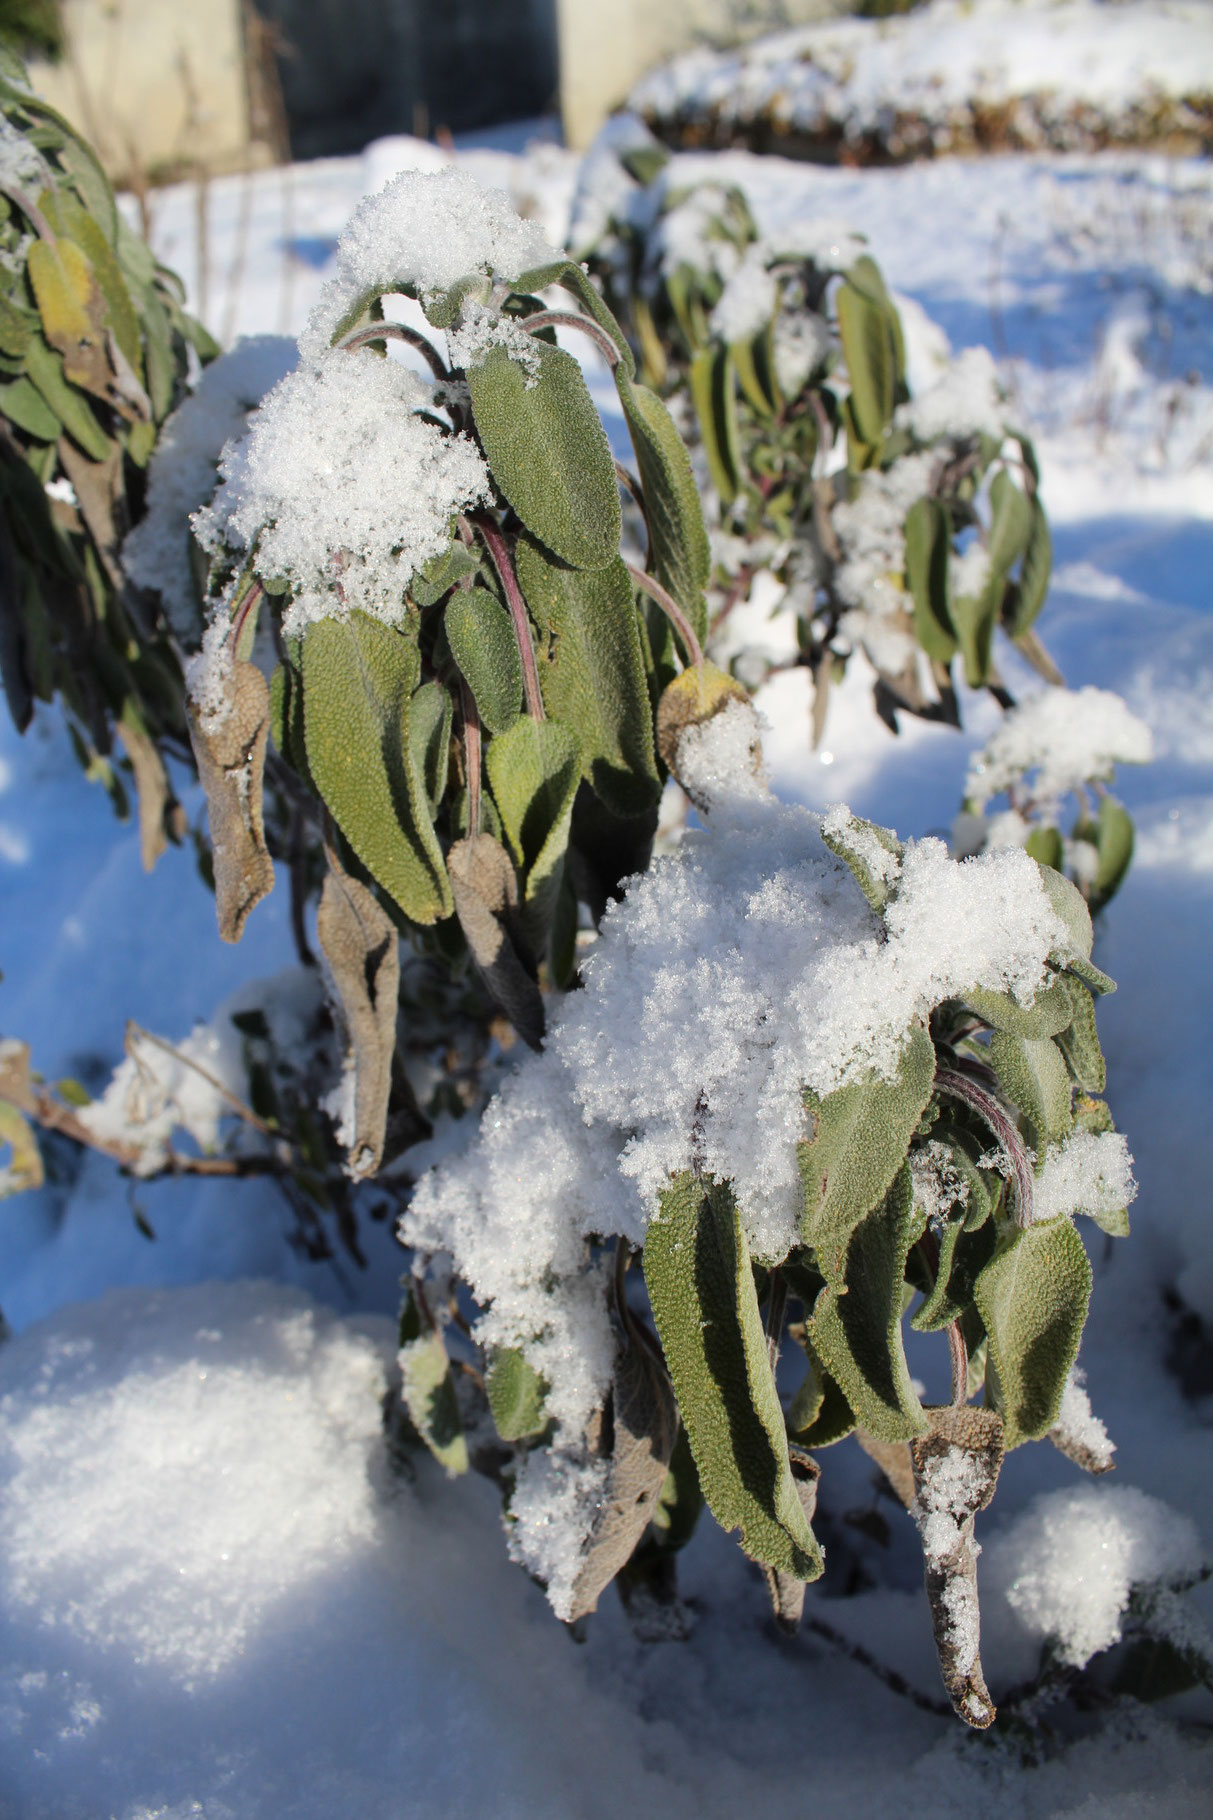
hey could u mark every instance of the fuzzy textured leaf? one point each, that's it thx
(873, 854)
(856, 1325)
(534, 769)
(591, 674)
(1079, 1042)
(358, 680)
(1033, 1074)
(486, 902)
(860, 1139)
(697, 1267)
(1032, 1297)
(927, 551)
(481, 637)
(681, 558)
(867, 345)
(516, 1394)
(549, 453)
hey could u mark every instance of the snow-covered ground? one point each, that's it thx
(217, 1600)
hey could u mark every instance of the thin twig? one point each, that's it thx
(569, 319)
(672, 611)
(136, 1032)
(471, 754)
(398, 331)
(499, 552)
(777, 1302)
(960, 1365)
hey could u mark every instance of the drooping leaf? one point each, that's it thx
(481, 637)
(358, 940)
(856, 1325)
(1079, 1042)
(963, 1255)
(1028, 597)
(867, 346)
(430, 714)
(438, 576)
(975, 617)
(151, 783)
(1032, 1297)
(873, 853)
(715, 398)
(549, 453)
(45, 370)
(533, 770)
(860, 1138)
(819, 1413)
(516, 1394)
(642, 1428)
(591, 674)
(1010, 523)
(1033, 1074)
(1067, 900)
(927, 551)
(230, 755)
(1114, 845)
(697, 1268)
(956, 1468)
(486, 902)
(681, 558)
(358, 680)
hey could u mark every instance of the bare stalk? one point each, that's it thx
(672, 611)
(971, 1093)
(498, 550)
(398, 331)
(569, 319)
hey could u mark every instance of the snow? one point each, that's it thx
(1068, 1564)
(1091, 1172)
(412, 1655)
(344, 490)
(183, 471)
(1066, 737)
(916, 84)
(1078, 1427)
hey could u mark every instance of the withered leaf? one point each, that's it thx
(787, 1592)
(98, 488)
(151, 785)
(894, 1461)
(640, 1436)
(485, 889)
(231, 759)
(358, 940)
(956, 1468)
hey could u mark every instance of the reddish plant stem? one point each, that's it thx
(498, 550)
(569, 319)
(398, 331)
(672, 611)
(471, 754)
(970, 1092)
(960, 1366)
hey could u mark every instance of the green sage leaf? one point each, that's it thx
(701, 1287)
(516, 1394)
(868, 349)
(681, 558)
(534, 769)
(856, 1325)
(928, 545)
(549, 453)
(1032, 1297)
(1033, 1074)
(481, 636)
(429, 1391)
(715, 399)
(358, 680)
(1079, 1042)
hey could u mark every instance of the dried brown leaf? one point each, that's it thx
(231, 760)
(956, 1470)
(787, 1592)
(638, 1432)
(358, 940)
(485, 888)
(152, 788)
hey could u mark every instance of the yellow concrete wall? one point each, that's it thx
(607, 45)
(154, 84)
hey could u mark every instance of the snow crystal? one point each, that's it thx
(966, 400)
(720, 759)
(183, 471)
(747, 303)
(480, 330)
(555, 1499)
(175, 1464)
(425, 230)
(1078, 1427)
(939, 1186)
(1066, 737)
(345, 490)
(1069, 1563)
(1090, 1172)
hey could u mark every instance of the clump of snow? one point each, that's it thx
(1078, 1429)
(939, 1186)
(802, 341)
(1065, 737)
(480, 330)
(605, 190)
(161, 1088)
(691, 234)
(1090, 1172)
(966, 400)
(183, 470)
(740, 969)
(344, 488)
(1068, 1565)
(424, 231)
(175, 1464)
(720, 759)
(747, 303)
(869, 578)
(21, 163)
